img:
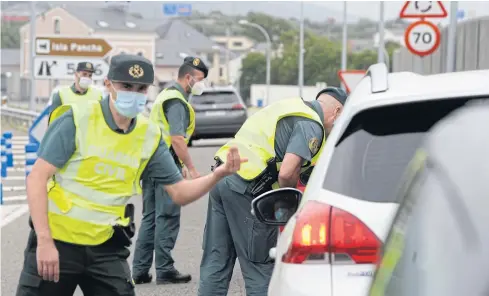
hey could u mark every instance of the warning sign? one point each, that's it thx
(423, 9)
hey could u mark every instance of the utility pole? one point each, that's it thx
(344, 49)
(301, 51)
(32, 102)
(228, 40)
(381, 49)
(452, 37)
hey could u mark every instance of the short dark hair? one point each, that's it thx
(184, 70)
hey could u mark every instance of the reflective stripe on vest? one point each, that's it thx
(256, 138)
(157, 115)
(89, 194)
(67, 95)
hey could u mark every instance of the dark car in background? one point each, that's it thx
(219, 113)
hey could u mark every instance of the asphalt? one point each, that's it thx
(187, 252)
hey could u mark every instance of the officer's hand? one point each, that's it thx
(185, 172)
(232, 164)
(47, 261)
(194, 174)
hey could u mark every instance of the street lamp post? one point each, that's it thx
(269, 49)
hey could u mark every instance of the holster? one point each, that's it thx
(265, 180)
(175, 157)
(124, 234)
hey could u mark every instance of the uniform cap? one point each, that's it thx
(131, 69)
(85, 66)
(336, 92)
(197, 64)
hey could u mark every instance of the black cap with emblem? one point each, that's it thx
(336, 92)
(131, 69)
(85, 66)
(197, 64)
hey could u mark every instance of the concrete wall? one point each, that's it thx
(472, 51)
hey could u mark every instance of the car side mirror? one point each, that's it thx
(277, 206)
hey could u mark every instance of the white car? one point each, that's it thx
(330, 246)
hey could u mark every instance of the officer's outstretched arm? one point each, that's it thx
(37, 198)
(187, 191)
(290, 170)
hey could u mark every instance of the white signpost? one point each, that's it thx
(57, 67)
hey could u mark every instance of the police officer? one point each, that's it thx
(176, 119)
(289, 133)
(80, 90)
(91, 160)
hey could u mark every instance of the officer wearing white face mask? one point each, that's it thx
(80, 90)
(161, 217)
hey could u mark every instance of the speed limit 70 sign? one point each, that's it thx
(422, 38)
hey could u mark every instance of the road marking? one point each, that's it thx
(19, 157)
(11, 212)
(13, 188)
(16, 151)
(19, 162)
(11, 170)
(14, 178)
(15, 198)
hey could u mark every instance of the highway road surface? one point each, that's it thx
(187, 252)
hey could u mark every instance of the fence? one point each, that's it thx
(472, 50)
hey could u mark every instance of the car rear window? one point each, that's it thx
(370, 158)
(216, 97)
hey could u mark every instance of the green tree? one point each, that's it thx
(253, 71)
(10, 34)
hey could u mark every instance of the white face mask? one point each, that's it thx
(85, 82)
(198, 88)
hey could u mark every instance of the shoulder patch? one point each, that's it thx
(314, 145)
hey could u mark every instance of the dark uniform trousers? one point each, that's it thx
(99, 271)
(231, 232)
(158, 231)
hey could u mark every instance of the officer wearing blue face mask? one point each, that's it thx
(91, 162)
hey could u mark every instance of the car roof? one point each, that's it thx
(408, 87)
(219, 88)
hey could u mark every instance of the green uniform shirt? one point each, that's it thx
(291, 136)
(177, 113)
(58, 145)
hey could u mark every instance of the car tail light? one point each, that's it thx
(238, 107)
(321, 230)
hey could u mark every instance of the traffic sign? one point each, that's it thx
(423, 9)
(350, 78)
(39, 126)
(177, 9)
(49, 67)
(72, 47)
(422, 38)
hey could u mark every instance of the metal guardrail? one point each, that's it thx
(18, 118)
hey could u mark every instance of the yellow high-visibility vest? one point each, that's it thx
(87, 197)
(256, 138)
(69, 97)
(157, 115)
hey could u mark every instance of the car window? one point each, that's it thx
(216, 97)
(370, 158)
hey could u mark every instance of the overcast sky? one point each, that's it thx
(392, 9)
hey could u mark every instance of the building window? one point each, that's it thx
(57, 26)
(221, 70)
(237, 43)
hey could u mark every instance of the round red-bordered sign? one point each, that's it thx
(422, 38)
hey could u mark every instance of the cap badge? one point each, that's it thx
(136, 71)
(196, 62)
(89, 66)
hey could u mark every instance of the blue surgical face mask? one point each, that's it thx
(130, 104)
